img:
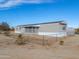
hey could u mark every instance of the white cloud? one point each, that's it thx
(11, 3)
(37, 1)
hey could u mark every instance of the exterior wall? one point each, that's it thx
(51, 29)
(70, 31)
(54, 27)
(31, 30)
(18, 29)
(26, 30)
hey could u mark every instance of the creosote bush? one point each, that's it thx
(61, 42)
(20, 40)
(7, 33)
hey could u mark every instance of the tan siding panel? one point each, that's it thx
(51, 27)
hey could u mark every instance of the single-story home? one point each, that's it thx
(57, 28)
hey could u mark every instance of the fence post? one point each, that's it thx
(28, 38)
(43, 40)
(56, 38)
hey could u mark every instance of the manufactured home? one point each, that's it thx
(46, 28)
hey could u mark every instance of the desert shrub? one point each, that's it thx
(20, 40)
(0, 32)
(77, 31)
(7, 33)
(61, 42)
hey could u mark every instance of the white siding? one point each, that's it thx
(54, 27)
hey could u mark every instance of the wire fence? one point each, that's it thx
(41, 39)
(44, 39)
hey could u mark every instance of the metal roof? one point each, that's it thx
(42, 23)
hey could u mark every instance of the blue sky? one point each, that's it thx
(17, 12)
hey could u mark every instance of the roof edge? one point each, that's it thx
(43, 23)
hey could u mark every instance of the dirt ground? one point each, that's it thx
(10, 50)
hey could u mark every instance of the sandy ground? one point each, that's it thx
(10, 50)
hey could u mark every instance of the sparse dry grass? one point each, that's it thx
(34, 50)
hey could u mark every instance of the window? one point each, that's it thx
(64, 28)
(33, 29)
